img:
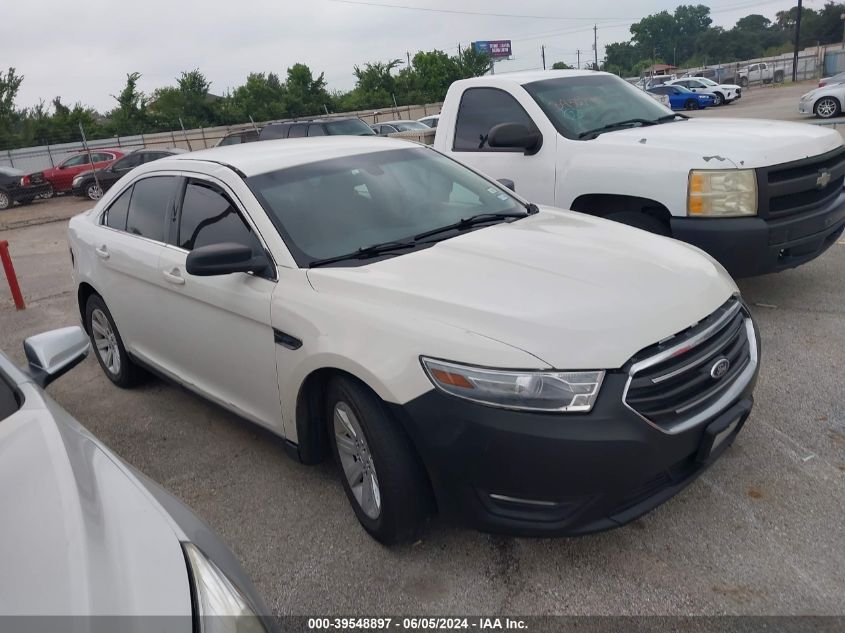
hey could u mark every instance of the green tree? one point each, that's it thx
(305, 94)
(472, 63)
(130, 115)
(374, 84)
(435, 71)
(561, 66)
(189, 101)
(262, 97)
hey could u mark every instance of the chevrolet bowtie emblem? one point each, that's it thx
(824, 179)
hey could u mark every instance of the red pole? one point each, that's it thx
(10, 275)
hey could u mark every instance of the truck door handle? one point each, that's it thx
(174, 277)
(102, 252)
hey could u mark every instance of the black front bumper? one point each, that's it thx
(755, 246)
(533, 474)
(29, 192)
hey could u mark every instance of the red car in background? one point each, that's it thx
(61, 176)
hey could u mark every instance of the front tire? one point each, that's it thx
(49, 193)
(718, 99)
(93, 191)
(691, 104)
(827, 108)
(107, 344)
(379, 468)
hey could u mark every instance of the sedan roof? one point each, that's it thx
(259, 158)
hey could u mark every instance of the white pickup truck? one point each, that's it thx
(759, 196)
(759, 73)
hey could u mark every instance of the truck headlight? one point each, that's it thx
(220, 606)
(561, 391)
(722, 193)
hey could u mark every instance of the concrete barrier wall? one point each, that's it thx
(32, 159)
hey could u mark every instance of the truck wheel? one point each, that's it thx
(381, 473)
(691, 104)
(827, 108)
(743, 81)
(641, 220)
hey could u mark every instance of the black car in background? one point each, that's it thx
(86, 185)
(236, 138)
(346, 126)
(16, 186)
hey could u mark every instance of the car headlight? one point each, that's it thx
(722, 193)
(220, 606)
(807, 96)
(562, 391)
(77, 181)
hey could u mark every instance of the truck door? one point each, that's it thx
(484, 107)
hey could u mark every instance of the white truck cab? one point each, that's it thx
(759, 196)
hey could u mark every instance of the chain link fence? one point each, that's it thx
(34, 159)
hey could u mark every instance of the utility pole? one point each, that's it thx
(543, 53)
(578, 52)
(596, 45)
(797, 38)
(408, 54)
(842, 17)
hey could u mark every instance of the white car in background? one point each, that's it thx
(825, 103)
(430, 121)
(722, 93)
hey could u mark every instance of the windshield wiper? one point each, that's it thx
(465, 223)
(613, 126)
(666, 118)
(366, 252)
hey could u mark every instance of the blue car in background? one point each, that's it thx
(681, 98)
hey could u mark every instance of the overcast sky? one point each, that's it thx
(82, 50)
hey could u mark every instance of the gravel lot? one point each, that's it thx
(760, 533)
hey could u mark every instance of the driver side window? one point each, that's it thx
(479, 111)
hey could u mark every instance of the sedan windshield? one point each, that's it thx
(707, 82)
(576, 105)
(349, 204)
(349, 127)
(409, 126)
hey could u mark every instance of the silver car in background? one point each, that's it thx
(83, 534)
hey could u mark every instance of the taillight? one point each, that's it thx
(25, 181)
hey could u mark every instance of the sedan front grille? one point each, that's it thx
(683, 380)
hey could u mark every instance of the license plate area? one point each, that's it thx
(720, 433)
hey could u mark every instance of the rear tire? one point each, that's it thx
(5, 201)
(743, 81)
(641, 220)
(379, 468)
(691, 104)
(108, 346)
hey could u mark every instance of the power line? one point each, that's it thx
(459, 12)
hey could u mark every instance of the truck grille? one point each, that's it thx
(802, 186)
(675, 384)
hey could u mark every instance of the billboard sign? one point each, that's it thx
(497, 49)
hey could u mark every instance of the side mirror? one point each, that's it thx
(515, 135)
(223, 259)
(507, 182)
(54, 353)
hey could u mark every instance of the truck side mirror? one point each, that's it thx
(515, 136)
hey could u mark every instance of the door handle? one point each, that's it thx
(174, 277)
(102, 252)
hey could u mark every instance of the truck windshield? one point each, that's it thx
(577, 105)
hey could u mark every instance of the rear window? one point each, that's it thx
(349, 127)
(273, 131)
(151, 200)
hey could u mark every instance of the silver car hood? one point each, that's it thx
(79, 534)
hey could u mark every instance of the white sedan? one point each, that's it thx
(455, 348)
(722, 93)
(825, 102)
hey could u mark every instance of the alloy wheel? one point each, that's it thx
(356, 460)
(826, 108)
(105, 341)
(5, 201)
(94, 191)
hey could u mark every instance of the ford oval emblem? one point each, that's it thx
(720, 368)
